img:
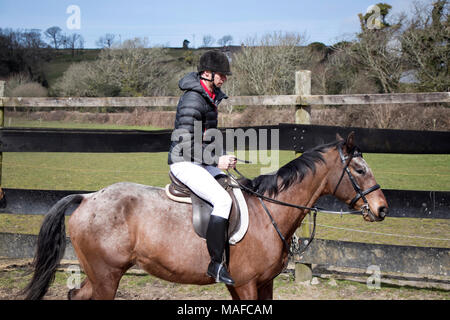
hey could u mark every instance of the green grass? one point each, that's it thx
(398, 231)
(411, 171)
(82, 171)
(93, 171)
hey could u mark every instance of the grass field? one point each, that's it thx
(93, 171)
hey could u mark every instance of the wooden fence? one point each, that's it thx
(297, 137)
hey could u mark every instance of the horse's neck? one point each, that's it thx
(303, 194)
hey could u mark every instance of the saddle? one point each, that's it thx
(201, 209)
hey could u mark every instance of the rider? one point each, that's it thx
(196, 162)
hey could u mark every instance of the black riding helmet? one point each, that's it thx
(214, 61)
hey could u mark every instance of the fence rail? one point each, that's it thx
(294, 137)
(402, 203)
(268, 100)
(390, 258)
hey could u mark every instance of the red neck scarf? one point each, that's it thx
(211, 94)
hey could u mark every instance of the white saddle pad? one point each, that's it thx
(243, 208)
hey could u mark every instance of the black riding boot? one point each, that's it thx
(215, 241)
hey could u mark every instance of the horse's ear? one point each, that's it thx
(338, 137)
(350, 142)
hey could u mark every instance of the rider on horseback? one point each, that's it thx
(193, 161)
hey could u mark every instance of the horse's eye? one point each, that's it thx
(360, 171)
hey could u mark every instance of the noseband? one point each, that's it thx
(354, 153)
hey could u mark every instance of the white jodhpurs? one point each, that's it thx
(200, 179)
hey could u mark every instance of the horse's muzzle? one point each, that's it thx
(368, 215)
(383, 212)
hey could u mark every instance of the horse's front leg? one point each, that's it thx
(248, 291)
(266, 291)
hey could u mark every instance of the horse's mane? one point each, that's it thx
(293, 171)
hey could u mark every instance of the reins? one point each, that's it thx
(261, 197)
(315, 209)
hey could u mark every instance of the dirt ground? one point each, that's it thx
(327, 284)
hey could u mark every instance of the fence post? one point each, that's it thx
(2, 123)
(303, 272)
(303, 88)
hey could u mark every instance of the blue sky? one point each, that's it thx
(169, 22)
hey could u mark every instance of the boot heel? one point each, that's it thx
(220, 273)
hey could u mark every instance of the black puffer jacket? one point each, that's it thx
(195, 106)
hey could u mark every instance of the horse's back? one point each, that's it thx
(129, 222)
(122, 198)
(125, 208)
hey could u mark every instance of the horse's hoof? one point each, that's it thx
(70, 294)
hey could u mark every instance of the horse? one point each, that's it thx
(128, 224)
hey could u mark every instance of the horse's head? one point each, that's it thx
(352, 181)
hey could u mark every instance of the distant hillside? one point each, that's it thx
(63, 59)
(182, 59)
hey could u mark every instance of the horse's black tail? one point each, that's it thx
(51, 245)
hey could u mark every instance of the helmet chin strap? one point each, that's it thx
(210, 80)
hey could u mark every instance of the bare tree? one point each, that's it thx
(73, 41)
(225, 40)
(425, 45)
(131, 69)
(377, 52)
(22, 51)
(54, 34)
(134, 43)
(267, 65)
(31, 39)
(106, 41)
(208, 40)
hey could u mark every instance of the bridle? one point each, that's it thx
(355, 152)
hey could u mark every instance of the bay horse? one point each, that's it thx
(127, 224)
